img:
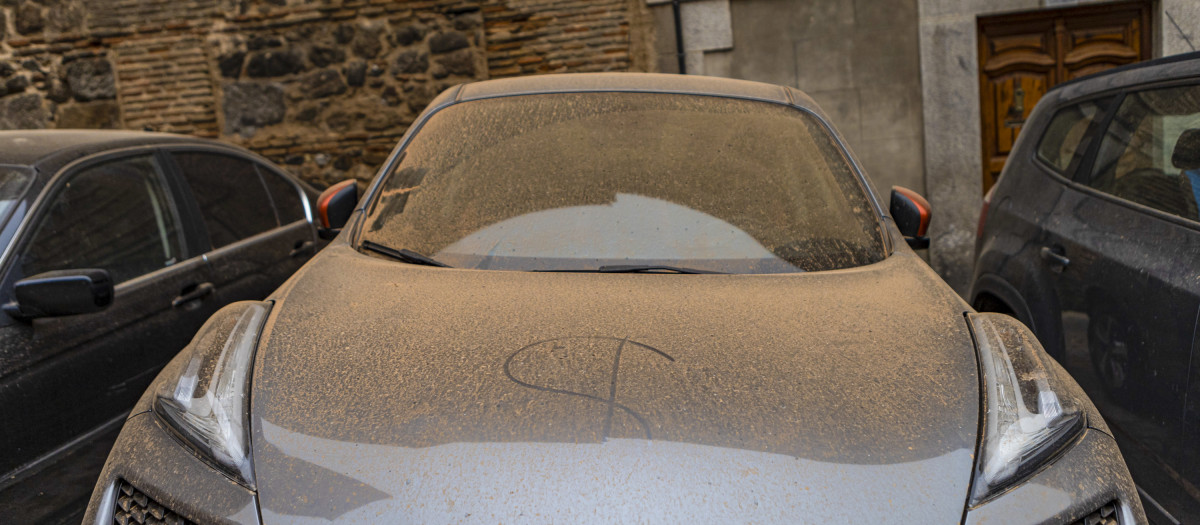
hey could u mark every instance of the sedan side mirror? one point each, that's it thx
(911, 212)
(335, 206)
(61, 292)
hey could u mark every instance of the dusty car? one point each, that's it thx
(117, 246)
(1091, 238)
(614, 298)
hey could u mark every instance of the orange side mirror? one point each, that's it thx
(912, 213)
(336, 205)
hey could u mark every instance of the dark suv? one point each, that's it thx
(1092, 238)
(114, 248)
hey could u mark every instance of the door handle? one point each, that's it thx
(1054, 256)
(301, 248)
(192, 293)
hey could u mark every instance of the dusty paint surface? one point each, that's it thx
(863, 379)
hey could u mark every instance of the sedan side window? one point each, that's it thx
(1064, 138)
(285, 194)
(1141, 157)
(232, 196)
(117, 216)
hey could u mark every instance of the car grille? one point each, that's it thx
(135, 507)
(1106, 515)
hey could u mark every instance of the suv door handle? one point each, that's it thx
(301, 248)
(191, 293)
(1054, 256)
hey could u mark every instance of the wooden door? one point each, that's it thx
(1023, 55)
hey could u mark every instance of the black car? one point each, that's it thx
(1091, 238)
(117, 246)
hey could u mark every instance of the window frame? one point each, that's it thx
(1104, 106)
(53, 187)
(1082, 174)
(260, 164)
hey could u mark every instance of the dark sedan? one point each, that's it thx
(1091, 237)
(117, 246)
(616, 298)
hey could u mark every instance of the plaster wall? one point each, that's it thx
(857, 58)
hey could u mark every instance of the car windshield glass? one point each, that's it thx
(574, 182)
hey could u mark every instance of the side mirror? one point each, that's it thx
(335, 206)
(61, 292)
(911, 212)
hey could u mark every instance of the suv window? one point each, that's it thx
(231, 195)
(1064, 141)
(117, 216)
(1135, 157)
(284, 193)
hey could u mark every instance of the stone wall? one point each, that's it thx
(325, 87)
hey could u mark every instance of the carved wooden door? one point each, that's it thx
(1023, 55)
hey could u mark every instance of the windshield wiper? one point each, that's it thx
(648, 268)
(403, 255)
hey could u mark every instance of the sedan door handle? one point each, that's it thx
(301, 248)
(192, 293)
(1058, 261)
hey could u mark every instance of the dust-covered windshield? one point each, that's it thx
(578, 181)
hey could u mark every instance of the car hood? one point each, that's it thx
(391, 392)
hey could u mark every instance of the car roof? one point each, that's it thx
(1166, 68)
(49, 150)
(633, 82)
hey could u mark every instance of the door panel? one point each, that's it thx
(1130, 291)
(255, 219)
(1128, 313)
(75, 373)
(253, 268)
(99, 364)
(1021, 56)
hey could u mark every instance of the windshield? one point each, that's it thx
(575, 182)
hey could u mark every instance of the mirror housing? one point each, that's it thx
(912, 213)
(60, 293)
(335, 206)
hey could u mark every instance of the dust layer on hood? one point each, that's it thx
(867, 366)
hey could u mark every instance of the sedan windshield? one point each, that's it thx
(581, 181)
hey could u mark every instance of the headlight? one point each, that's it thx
(207, 404)
(1029, 416)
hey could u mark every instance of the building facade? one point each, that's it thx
(325, 87)
(928, 93)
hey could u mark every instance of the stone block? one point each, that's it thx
(23, 112)
(447, 42)
(251, 105)
(29, 19)
(265, 64)
(230, 64)
(410, 62)
(91, 79)
(103, 114)
(324, 83)
(322, 56)
(408, 35)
